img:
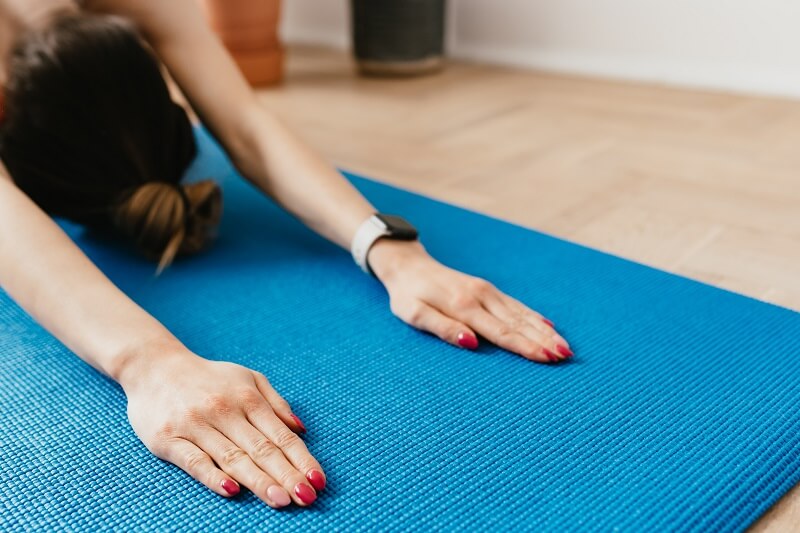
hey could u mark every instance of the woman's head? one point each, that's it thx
(91, 134)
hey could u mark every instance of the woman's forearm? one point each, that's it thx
(262, 148)
(49, 276)
(300, 181)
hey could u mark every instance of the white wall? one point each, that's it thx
(736, 45)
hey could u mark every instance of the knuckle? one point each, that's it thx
(165, 431)
(218, 404)
(517, 322)
(194, 461)
(250, 399)
(288, 477)
(286, 438)
(193, 417)
(529, 313)
(308, 463)
(260, 484)
(414, 313)
(159, 448)
(283, 404)
(532, 350)
(463, 300)
(263, 447)
(232, 456)
(479, 286)
(504, 331)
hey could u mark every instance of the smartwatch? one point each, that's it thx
(379, 226)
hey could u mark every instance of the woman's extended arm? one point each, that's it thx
(43, 270)
(423, 292)
(179, 419)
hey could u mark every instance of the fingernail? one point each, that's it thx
(551, 356)
(278, 496)
(467, 340)
(548, 322)
(316, 479)
(299, 423)
(230, 486)
(305, 493)
(563, 350)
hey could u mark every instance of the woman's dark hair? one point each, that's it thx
(91, 134)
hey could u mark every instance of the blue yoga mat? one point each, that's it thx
(680, 410)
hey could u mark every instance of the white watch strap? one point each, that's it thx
(368, 232)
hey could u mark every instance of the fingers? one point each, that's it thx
(250, 446)
(529, 324)
(508, 337)
(516, 307)
(195, 462)
(560, 344)
(427, 318)
(278, 404)
(536, 319)
(237, 463)
(293, 448)
(502, 320)
(270, 449)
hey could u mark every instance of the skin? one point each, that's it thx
(220, 421)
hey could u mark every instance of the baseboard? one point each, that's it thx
(749, 79)
(331, 39)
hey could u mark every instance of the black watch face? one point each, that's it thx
(399, 227)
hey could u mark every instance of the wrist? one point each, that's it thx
(139, 362)
(387, 258)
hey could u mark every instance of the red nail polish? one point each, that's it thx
(305, 493)
(563, 350)
(299, 423)
(548, 322)
(551, 356)
(316, 479)
(230, 486)
(467, 340)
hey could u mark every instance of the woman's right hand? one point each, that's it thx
(223, 424)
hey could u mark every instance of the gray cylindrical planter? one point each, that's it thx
(398, 37)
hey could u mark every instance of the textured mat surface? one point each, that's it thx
(679, 412)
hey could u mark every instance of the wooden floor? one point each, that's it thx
(705, 185)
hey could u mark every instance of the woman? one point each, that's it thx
(90, 133)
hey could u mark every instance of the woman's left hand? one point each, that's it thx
(455, 306)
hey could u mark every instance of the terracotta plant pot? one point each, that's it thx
(249, 30)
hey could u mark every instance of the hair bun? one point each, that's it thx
(165, 220)
(205, 210)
